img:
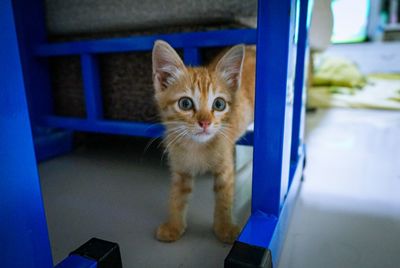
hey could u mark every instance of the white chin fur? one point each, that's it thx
(202, 138)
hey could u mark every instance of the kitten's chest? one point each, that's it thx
(193, 160)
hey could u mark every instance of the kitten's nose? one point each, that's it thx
(204, 124)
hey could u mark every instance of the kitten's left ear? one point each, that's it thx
(230, 66)
(167, 65)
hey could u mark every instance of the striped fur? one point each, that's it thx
(193, 150)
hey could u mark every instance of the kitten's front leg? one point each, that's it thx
(224, 188)
(181, 187)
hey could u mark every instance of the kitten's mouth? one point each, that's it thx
(203, 133)
(202, 136)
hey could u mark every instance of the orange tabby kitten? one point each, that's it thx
(205, 111)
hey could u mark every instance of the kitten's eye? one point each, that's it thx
(219, 104)
(185, 103)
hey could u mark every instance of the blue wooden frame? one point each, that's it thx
(281, 39)
(87, 50)
(23, 230)
(278, 149)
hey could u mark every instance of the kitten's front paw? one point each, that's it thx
(227, 233)
(168, 232)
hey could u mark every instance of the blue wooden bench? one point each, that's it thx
(26, 108)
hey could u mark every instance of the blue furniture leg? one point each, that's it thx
(91, 86)
(191, 56)
(51, 142)
(273, 107)
(29, 22)
(23, 230)
(300, 81)
(276, 177)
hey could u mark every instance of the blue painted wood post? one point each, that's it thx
(191, 56)
(146, 42)
(23, 230)
(31, 32)
(300, 80)
(273, 107)
(91, 86)
(272, 198)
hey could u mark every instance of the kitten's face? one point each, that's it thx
(195, 105)
(195, 102)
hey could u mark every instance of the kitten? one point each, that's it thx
(205, 111)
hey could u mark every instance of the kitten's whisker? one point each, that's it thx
(185, 131)
(226, 137)
(173, 132)
(166, 124)
(182, 136)
(171, 123)
(149, 144)
(228, 130)
(154, 125)
(178, 133)
(226, 125)
(243, 137)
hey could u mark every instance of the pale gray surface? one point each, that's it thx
(347, 215)
(348, 212)
(381, 57)
(116, 192)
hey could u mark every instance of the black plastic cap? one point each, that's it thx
(105, 253)
(243, 255)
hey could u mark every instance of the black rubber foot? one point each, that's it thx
(243, 255)
(106, 254)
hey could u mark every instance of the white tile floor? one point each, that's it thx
(115, 192)
(347, 215)
(348, 212)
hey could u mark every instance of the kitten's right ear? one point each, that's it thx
(230, 66)
(167, 65)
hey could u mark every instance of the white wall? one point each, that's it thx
(371, 57)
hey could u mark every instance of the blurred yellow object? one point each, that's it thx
(379, 93)
(388, 76)
(338, 72)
